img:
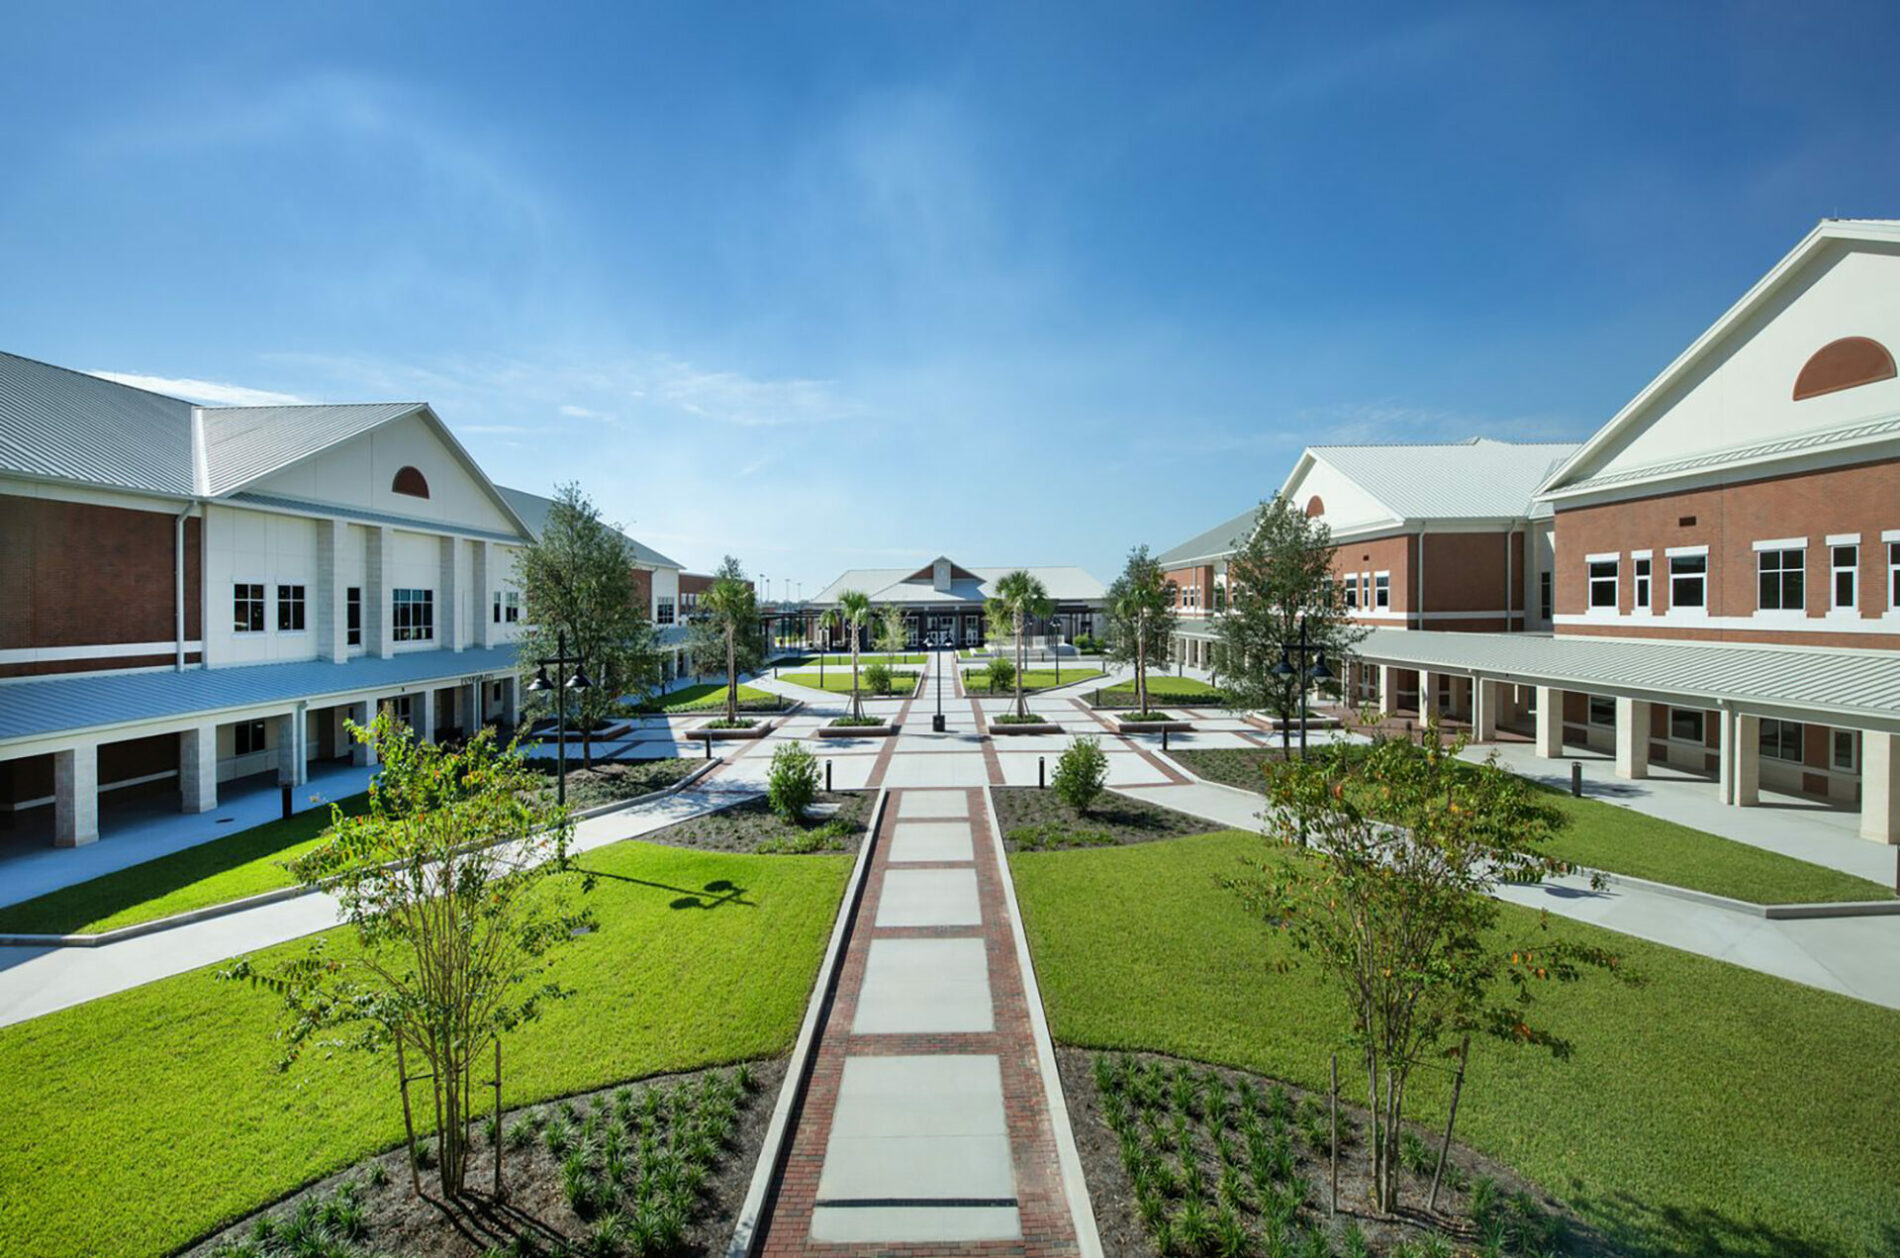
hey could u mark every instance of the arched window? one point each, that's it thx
(410, 481)
(1843, 364)
(1315, 506)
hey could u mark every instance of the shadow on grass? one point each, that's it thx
(1637, 1227)
(715, 894)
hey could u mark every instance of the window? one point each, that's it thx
(290, 609)
(249, 737)
(1543, 594)
(1382, 590)
(664, 616)
(1846, 585)
(511, 608)
(1220, 598)
(1602, 710)
(1893, 576)
(411, 482)
(1641, 572)
(1603, 583)
(353, 615)
(1844, 750)
(247, 608)
(1688, 581)
(1781, 740)
(415, 615)
(1685, 725)
(1783, 577)
(1352, 591)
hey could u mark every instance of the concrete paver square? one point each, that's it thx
(932, 841)
(929, 897)
(937, 769)
(924, 987)
(919, 805)
(898, 1224)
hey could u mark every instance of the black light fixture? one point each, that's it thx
(542, 683)
(579, 680)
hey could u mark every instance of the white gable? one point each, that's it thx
(1348, 507)
(359, 473)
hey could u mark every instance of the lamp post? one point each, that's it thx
(936, 722)
(1318, 672)
(541, 684)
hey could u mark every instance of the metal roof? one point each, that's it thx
(242, 443)
(1064, 582)
(1855, 686)
(277, 502)
(533, 510)
(31, 709)
(1478, 479)
(67, 425)
(1222, 539)
(1847, 435)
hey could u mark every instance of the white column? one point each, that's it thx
(291, 769)
(332, 610)
(1388, 690)
(1550, 722)
(378, 630)
(448, 599)
(1427, 696)
(1485, 701)
(422, 714)
(1741, 760)
(482, 583)
(1632, 738)
(468, 707)
(1879, 801)
(510, 703)
(363, 754)
(198, 769)
(76, 796)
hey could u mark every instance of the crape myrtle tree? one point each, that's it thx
(1279, 575)
(854, 613)
(893, 633)
(1384, 871)
(1021, 597)
(1141, 617)
(577, 583)
(726, 633)
(449, 884)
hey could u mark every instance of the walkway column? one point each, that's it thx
(291, 769)
(1632, 738)
(1388, 690)
(1550, 722)
(1740, 782)
(1879, 800)
(198, 769)
(76, 796)
(511, 702)
(468, 708)
(1427, 696)
(422, 715)
(1486, 698)
(363, 755)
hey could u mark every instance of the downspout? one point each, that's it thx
(178, 584)
(1509, 535)
(1420, 611)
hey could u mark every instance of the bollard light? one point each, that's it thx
(1576, 778)
(1041, 781)
(827, 777)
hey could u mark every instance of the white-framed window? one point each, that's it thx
(1685, 725)
(1382, 590)
(663, 614)
(1689, 581)
(1352, 591)
(1639, 573)
(511, 608)
(1844, 566)
(1781, 740)
(1220, 595)
(353, 616)
(247, 607)
(414, 615)
(1782, 579)
(248, 737)
(1603, 583)
(1893, 576)
(290, 607)
(1544, 601)
(1603, 711)
(1843, 750)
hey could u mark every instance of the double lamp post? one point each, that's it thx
(541, 684)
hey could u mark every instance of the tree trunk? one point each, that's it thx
(1022, 704)
(732, 675)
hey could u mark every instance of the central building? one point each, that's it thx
(945, 603)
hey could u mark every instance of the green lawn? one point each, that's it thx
(838, 681)
(140, 1121)
(1713, 1111)
(248, 862)
(976, 680)
(1161, 687)
(709, 695)
(1623, 841)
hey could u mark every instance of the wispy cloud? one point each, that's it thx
(211, 392)
(1366, 423)
(735, 398)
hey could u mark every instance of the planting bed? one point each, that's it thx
(609, 782)
(836, 823)
(643, 1169)
(1034, 820)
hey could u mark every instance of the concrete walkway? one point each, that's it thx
(933, 1117)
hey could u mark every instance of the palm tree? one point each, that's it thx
(732, 608)
(854, 608)
(1021, 596)
(1141, 609)
(828, 620)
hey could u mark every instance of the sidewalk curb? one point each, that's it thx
(1747, 908)
(760, 1197)
(262, 899)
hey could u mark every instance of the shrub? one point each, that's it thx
(1081, 772)
(1002, 674)
(877, 676)
(792, 781)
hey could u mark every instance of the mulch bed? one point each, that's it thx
(1241, 767)
(1112, 821)
(398, 1223)
(611, 781)
(743, 827)
(1124, 1235)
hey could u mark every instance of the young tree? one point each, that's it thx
(447, 884)
(1389, 857)
(726, 634)
(577, 583)
(1279, 576)
(893, 633)
(1021, 597)
(1141, 617)
(854, 612)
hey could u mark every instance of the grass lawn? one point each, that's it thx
(711, 694)
(1623, 841)
(1713, 1111)
(1161, 687)
(838, 681)
(137, 1122)
(976, 680)
(227, 868)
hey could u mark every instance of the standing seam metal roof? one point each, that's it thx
(242, 443)
(67, 425)
(1472, 480)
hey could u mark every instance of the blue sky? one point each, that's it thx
(831, 285)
